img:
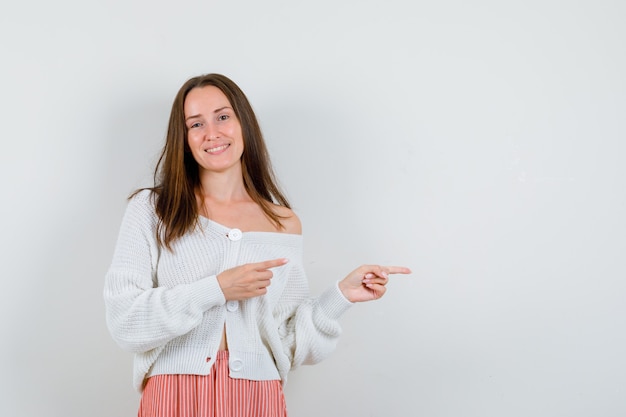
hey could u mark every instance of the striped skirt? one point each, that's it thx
(214, 395)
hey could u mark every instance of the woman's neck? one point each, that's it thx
(223, 187)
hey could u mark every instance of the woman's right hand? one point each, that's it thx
(249, 280)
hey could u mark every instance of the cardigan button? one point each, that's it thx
(235, 235)
(232, 305)
(236, 365)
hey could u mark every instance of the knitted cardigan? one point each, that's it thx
(168, 308)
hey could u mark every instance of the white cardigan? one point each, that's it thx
(168, 308)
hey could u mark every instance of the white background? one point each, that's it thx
(480, 143)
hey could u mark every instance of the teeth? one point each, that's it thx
(216, 149)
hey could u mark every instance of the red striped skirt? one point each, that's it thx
(214, 395)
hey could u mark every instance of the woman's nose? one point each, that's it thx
(212, 132)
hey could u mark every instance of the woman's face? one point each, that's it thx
(213, 130)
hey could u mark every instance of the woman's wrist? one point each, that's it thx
(344, 288)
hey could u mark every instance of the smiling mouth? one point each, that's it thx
(216, 149)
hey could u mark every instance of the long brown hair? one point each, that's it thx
(176, 176)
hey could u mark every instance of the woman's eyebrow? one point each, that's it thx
(214, 111)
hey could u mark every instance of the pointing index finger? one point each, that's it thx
(271, 263)
(398, 270)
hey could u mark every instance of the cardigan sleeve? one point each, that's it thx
(309, 327)
(141, 315)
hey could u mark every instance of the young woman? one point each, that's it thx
(207, 285)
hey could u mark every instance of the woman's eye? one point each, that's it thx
(197, 124)
(223, 117)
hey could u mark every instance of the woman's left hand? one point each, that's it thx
(367, 282)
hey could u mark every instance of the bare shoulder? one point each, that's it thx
(289, 220)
